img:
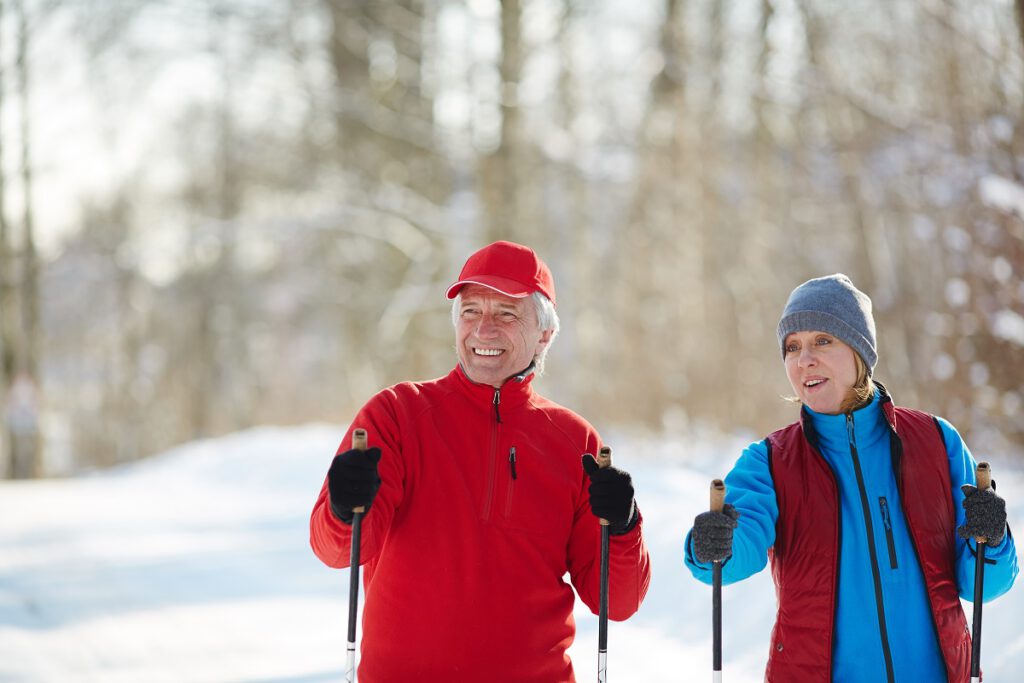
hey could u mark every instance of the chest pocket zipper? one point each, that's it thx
(883, 504)
(513, 475)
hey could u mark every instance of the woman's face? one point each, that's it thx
(821, 369)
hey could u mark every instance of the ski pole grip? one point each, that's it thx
(359, 443)
(983, 477)
(604, 459)
(717, 495)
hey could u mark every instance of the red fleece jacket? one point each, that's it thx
(464, 561)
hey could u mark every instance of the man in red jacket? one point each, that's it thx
(478, 504)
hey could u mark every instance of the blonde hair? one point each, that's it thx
(862, 391)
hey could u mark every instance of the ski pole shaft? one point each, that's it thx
(358, 443)
(717, 502)
(983, 475)
(604, 459)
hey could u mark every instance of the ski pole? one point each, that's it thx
(717, 501)
(604, 459)
(359, 444)
(983, 475)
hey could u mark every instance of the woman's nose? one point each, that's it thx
(807, 356)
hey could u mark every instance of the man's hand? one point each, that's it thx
(353, 481)
(611, 496)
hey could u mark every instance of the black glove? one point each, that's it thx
(611, 496)
(986, 515)
(712, 534)
(353, 481)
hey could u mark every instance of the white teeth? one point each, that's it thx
(488, 352)
(813, 383)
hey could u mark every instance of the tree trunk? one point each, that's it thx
(1019, 5)
(26, 443)
(501, 171)
(8, 304)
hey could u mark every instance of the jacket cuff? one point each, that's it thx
(993, 553)
(631, 523)
(692, 560)
(341, 514)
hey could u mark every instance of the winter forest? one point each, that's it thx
(229, 213)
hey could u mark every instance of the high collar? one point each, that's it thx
(831, 432)
(515, 391)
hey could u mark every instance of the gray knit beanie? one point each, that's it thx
(831, 304)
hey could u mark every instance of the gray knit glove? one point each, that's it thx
(986, 515)
(712, 534)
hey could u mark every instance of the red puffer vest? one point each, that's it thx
(805, 558)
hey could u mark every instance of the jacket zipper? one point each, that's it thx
(492, 467)
(887, 521)
(875, 573)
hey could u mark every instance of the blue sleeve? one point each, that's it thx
(1001, 561)
(749, 488)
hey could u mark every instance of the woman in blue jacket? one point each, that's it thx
(867, 511)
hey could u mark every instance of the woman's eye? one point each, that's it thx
(822, 341)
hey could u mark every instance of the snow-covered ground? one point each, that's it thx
(195, 566)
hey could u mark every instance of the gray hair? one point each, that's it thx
(547, 319)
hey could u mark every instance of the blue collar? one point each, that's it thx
(869, 425)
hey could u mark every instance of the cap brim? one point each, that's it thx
(502, 285)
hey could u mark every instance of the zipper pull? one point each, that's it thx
(497, 400)
(885, 513)
(512, 461)
(849, 429)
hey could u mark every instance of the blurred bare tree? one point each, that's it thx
(275, 248)
(20, 330)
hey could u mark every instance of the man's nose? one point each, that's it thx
(486, 327)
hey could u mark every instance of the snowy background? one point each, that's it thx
(195, 566)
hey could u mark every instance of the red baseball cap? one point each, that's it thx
(508, 268)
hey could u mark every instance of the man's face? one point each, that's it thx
(496, 336)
